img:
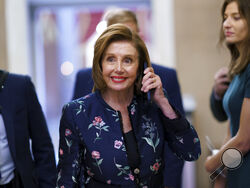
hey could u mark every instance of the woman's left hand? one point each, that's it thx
(152, 82)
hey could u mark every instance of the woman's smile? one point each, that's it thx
(118, 79)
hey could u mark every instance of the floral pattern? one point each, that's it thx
(80, 105)
(151, 137)
(115, 114)
(60, 152)
(91, 174)
(195, 140)
(98, 123)
(118, 144)
(180, 139)
(124, 170)
(88, 147)
(156, 166)
(133, 107)
(98, 160)
(68, 133)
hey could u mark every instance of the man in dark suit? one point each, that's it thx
(22, 127)
(84, 85)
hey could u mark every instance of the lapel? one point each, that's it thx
(7, 114)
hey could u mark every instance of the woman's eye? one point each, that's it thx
(127, 60)
(110, 59)
(237, 17)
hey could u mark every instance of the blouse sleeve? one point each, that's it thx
(216, 107)
(182, 137)
(247, 86)
(70, 153)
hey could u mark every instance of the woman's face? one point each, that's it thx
(119, 66)
(234, 25)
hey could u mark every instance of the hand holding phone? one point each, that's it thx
(148, 93)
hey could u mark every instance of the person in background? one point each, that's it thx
(231, 94)
(84, 84)
(114, 137)
(22, 127)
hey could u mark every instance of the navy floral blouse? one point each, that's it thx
(92, 149)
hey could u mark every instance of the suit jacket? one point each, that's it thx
(172, 174)
(24, 122)
(217, 109)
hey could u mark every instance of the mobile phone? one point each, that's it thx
(148, 93)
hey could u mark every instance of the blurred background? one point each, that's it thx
(50, 40)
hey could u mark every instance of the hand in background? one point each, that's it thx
(152, 81)
(221, 82)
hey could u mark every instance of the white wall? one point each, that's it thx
(163, 38)
(17, 36)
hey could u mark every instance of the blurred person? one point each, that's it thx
(231, 93)
(84, 85)
(22, 127)
(114, 137)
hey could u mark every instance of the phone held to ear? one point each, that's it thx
(148, 93)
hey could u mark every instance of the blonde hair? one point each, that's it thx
(113, 33)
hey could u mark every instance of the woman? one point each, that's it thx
(114, 137)
(236, 100)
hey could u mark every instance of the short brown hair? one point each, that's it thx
(113, 33)
(119, 15)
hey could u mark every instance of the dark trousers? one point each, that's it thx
(14, 183)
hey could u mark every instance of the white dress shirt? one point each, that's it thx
(6, 162)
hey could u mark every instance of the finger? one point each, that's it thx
(224, 87)
(220, 75)
(222, 80)
(151, 83)
(148, 69)
(223, 72)
(147, 76)
(147, 84)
